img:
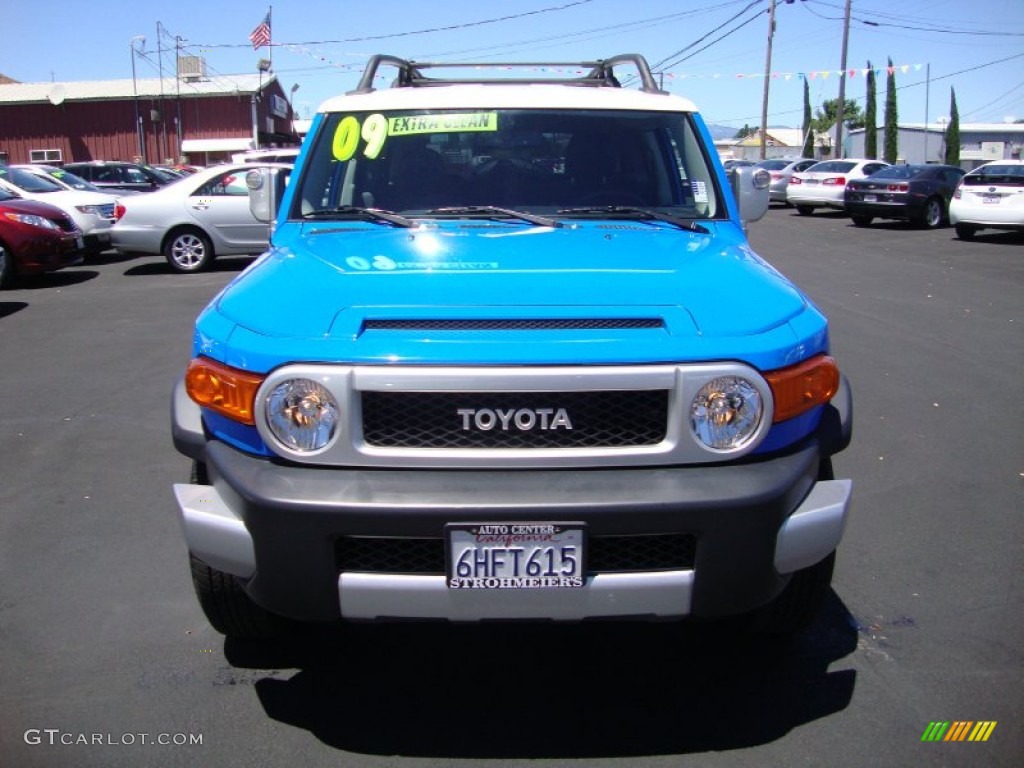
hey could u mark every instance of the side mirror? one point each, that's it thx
(265, 188)
(750, 188)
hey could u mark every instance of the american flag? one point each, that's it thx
(261, 35)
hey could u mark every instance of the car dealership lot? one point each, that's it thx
(107, 661)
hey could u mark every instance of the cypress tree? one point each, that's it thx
(891, 151)
(870, 118)
(952, 155)
(808, 150)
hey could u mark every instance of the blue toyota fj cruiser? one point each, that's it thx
(510, 356)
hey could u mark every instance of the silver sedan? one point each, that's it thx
(193, 220)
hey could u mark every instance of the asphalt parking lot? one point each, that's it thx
(106, 660)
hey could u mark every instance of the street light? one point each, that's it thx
(141, 146)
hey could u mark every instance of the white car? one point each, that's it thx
(823, 184)
(193, 220)
(93, 212)
(989, 197)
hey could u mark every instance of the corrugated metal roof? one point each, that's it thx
(103, 90)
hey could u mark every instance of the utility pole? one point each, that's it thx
(767, 77)
(140, 142)
(842, 86)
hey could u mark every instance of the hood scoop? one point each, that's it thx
(513, 324)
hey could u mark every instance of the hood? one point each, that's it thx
(361, 291)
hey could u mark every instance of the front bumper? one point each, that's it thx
(277, 527)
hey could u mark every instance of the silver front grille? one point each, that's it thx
(511, 417)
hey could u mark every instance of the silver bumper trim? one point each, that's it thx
(212, 531)
(814, 530)
(377, 596)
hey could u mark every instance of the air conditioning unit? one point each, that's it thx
(192, 68)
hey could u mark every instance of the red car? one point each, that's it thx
(35, 237)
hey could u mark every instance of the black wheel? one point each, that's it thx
(228, 609)
(7, 269)
(862, 221)
(965, 232)
(805, 210)
(932, 216)
(798, 604)
(188, 250)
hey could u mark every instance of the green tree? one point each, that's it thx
(891, 150)
(870, 117)
(828, 112)
(745, 131)
(952, 155)
(808, 126)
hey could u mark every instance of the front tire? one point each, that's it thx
(805, 210)
(188, 250)
(228, 608)
(7, 268)
(799, 603)
(862, 221)
(965, 232)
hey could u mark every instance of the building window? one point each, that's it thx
(45, 156)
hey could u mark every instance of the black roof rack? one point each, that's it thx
(410, 73)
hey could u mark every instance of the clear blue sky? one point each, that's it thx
(714, 50)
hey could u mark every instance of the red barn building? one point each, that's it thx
(202, 119)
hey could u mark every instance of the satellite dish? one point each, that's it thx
(57, 94)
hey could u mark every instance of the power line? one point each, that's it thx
(464, 25)
(670, 61)
(915, 28)
(898, 88)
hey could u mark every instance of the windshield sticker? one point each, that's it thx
(376, 128)
(700, 191)
(474, 121)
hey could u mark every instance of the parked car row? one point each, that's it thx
(92, 212)
(926, 195)
(190, 215)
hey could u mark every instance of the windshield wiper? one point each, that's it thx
(642, 213)
(373, 214)
(493, 210)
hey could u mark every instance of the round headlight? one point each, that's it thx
(726, 413)
(302, 414)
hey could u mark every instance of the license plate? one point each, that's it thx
(525, 555)
(870, 198)
(990, 199)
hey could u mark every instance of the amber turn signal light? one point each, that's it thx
(803, 386)
(228, 391)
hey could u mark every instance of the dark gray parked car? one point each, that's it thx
(916, 193)
(117, 175)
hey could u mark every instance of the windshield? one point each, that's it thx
(28, 182)
(900, 172)
(831, 166)
(538, 161)
(73, 181)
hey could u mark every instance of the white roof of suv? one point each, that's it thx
(582, 85)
